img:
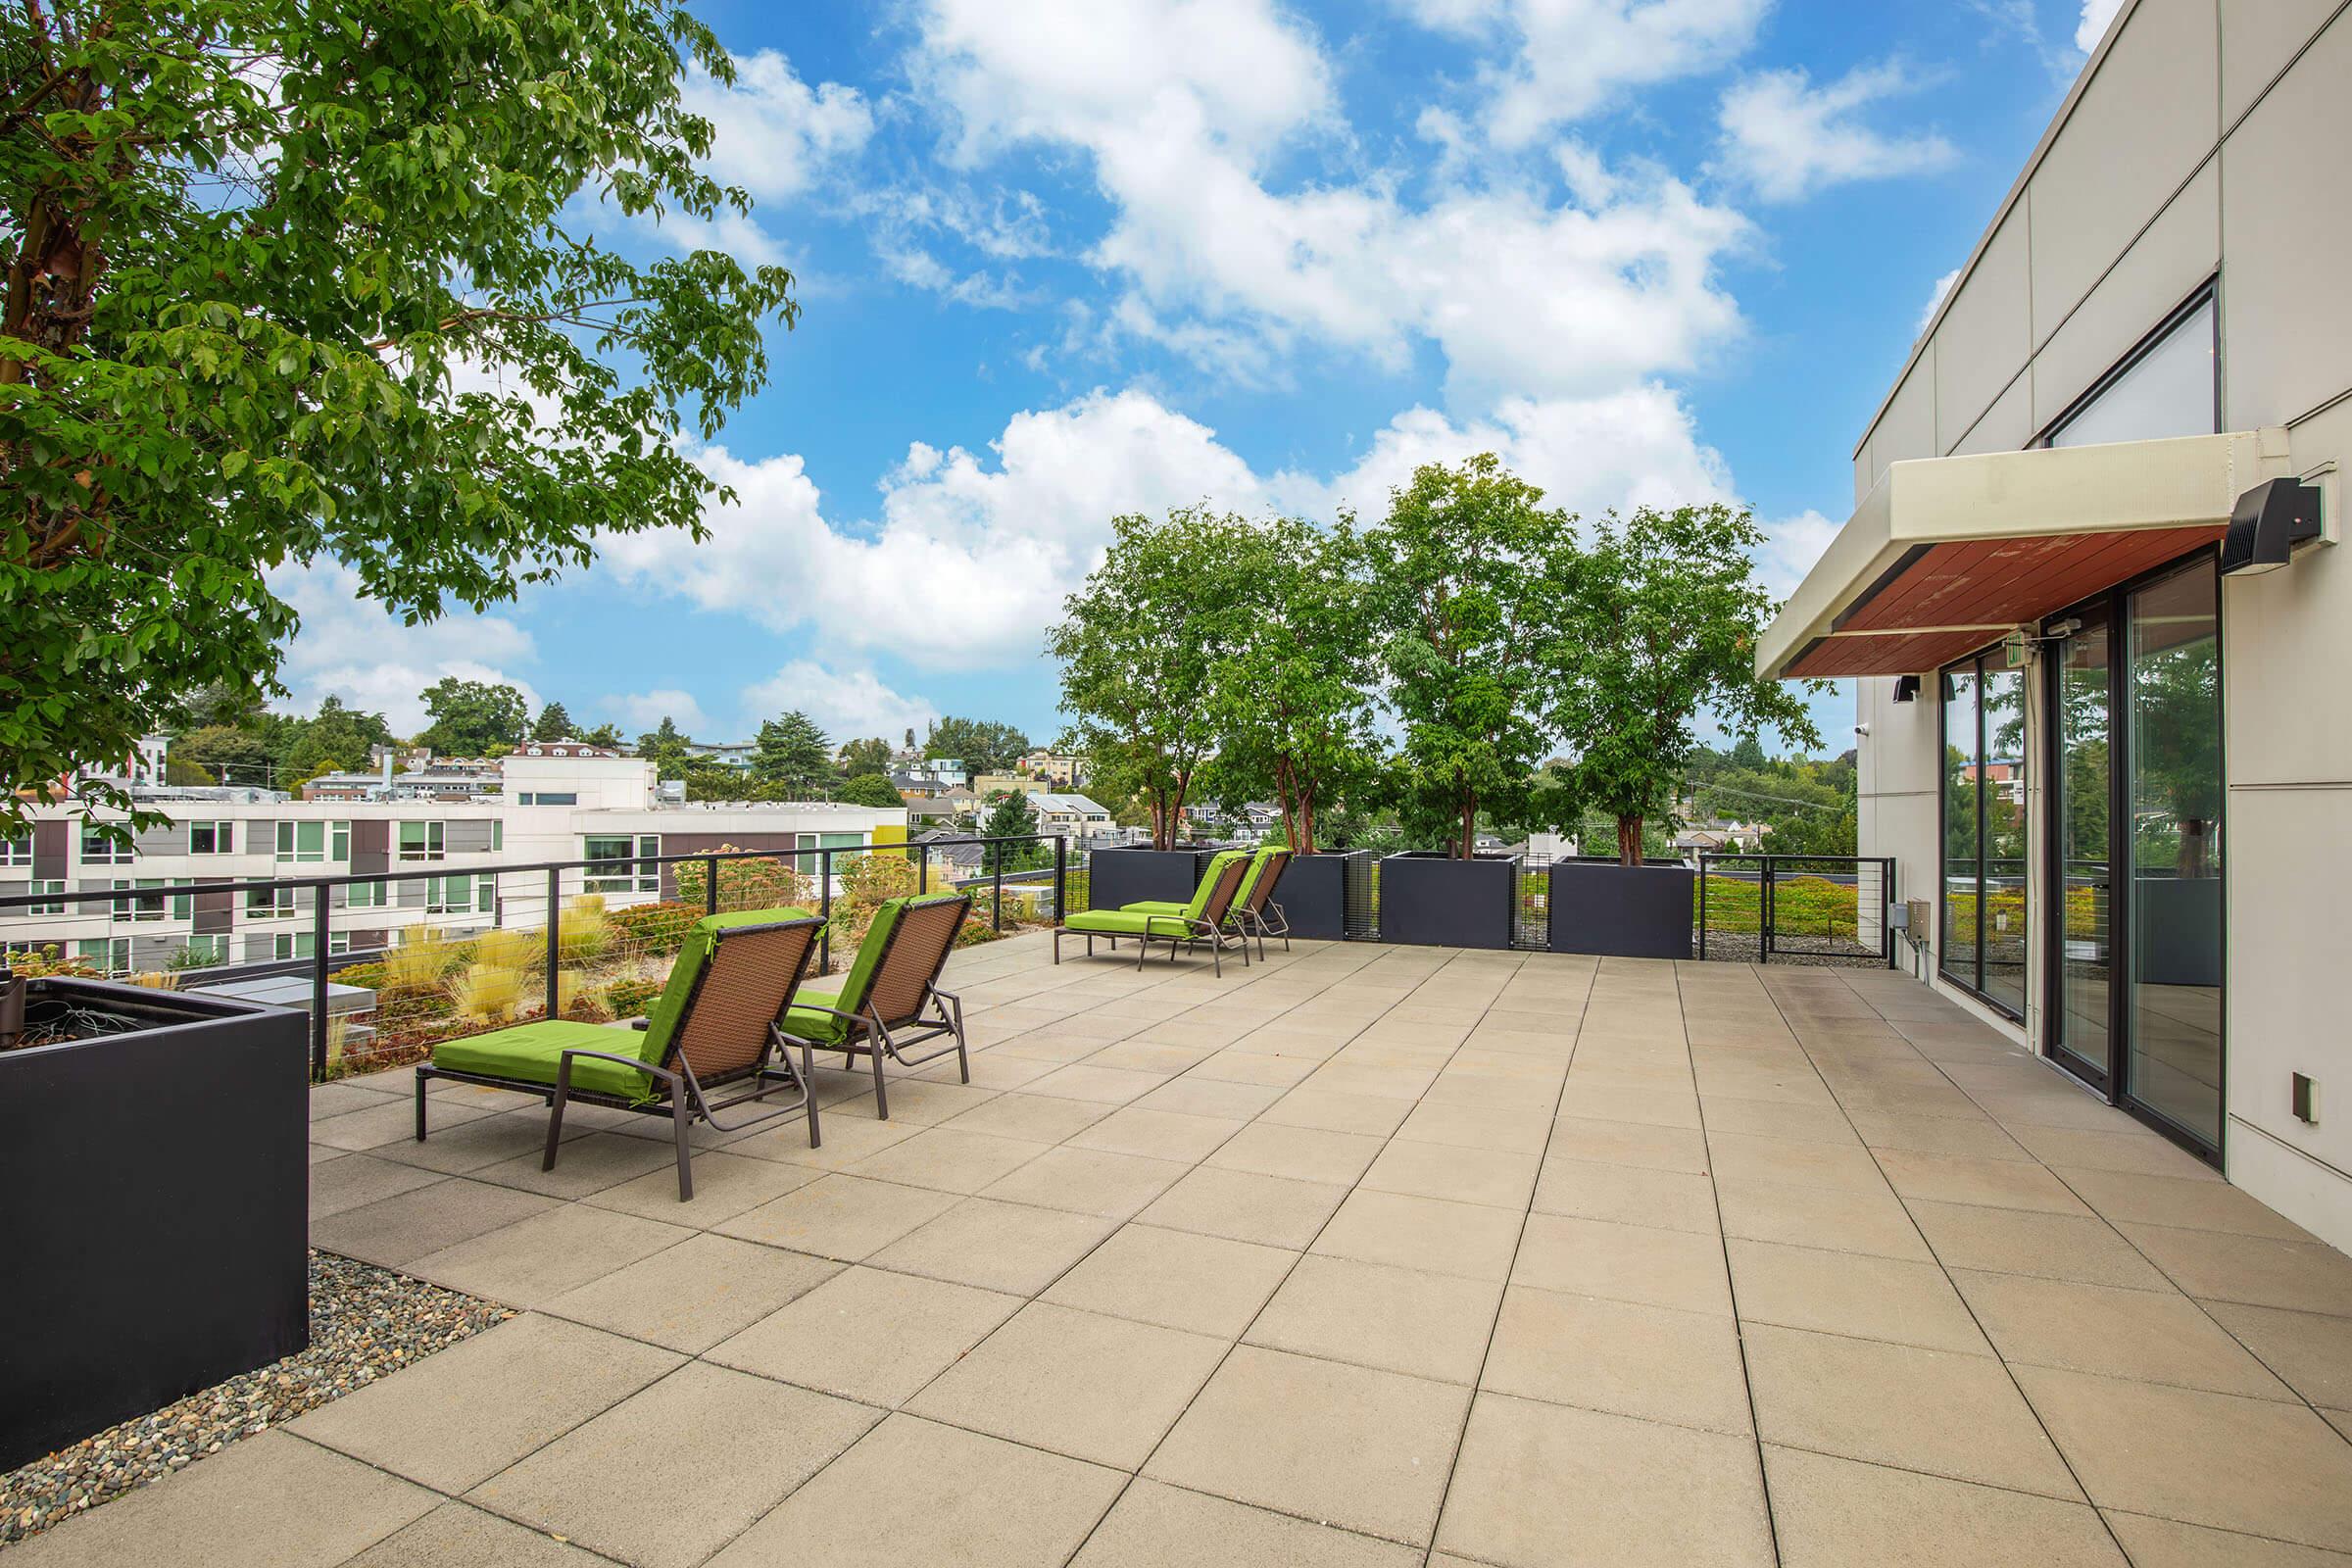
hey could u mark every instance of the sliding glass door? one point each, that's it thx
(1983, 945)
(2137, 850)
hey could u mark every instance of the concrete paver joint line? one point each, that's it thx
(1371, 1255)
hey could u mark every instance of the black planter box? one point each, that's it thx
(1318, 893)
(155, 1204)
(1116, 877)
(1621, 912)
(1429, 900)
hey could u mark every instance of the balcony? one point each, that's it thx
(1367, 1255)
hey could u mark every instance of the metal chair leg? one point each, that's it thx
(683, 1116)
(881, 1089)
(555, 1115)
(420, 1104)
(808, 1091)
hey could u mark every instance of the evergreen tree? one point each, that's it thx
(554, 724)
(1008, 816)
(792, 753)
(664, 746)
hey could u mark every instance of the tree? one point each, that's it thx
(981, 744)
(870, 788)
(1748, 754)
(1289, 697)
(791, 755)
(1660, 623)
(338, 740)
(292, 284)
(664, 746)
(864, 757)
(1136, 643)
(230, 755)
(1465, 570)
(1008, 817)
(553, 725)
(471, 717)
(608, 735)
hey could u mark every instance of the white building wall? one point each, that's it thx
(2208, 138)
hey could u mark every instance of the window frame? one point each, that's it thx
(53, 887)
(2206, 293)
(98, 849)
(642, 874)
(223, 832)
(1976, 666)
(17, 850)
(433, 849)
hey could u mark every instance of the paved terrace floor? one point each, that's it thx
(1366, 1255)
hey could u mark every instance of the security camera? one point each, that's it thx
(1862, 729)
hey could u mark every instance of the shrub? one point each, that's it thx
(628, 998)
(653, 928)
(419, 960)
(485, 994)
(760, 884)
(509, 949)
(583, 933)
(45, 962)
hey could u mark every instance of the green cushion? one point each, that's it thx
(1258, 869)
(1124, 923)
(1155, 907)
(527, 1052)
(805, 1023)
(531, 1052)
(1208, 880)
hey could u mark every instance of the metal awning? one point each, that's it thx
(1948, 554)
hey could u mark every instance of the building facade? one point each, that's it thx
(2090, 597)
(446, 864)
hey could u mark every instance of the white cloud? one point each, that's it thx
(1572, 57)
(2097, 17)
(847, 703)
(1788, 138)
(1791, 546)
(771, 132)
(1628, 449)
(1181, 106)
(351, 647)
(1935, 299)
(638, 712)
(970, 557)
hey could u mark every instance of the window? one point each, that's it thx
(213, 838)
(313, 842)
(615, 871)
(423, 841)
(338, 942)
(149, 907)
(367, 895)
(294, 945)
(497, 835)
(269, 904)
(461, 895)
(557, 798)
(107, 955)
(1982, 924)
(2166, 387)
(97, 849)
(208, 949)
(41, 885)
(17, 850)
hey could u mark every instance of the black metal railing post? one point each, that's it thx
(711, 885)
(1764, 891)
(922, 869)
(824, 906)
(998, 917)
(1702, 906)
(554, 949)
(1061, 876)
(318, 945)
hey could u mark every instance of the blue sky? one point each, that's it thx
(1062, 259)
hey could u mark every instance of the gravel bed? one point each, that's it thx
(366, 1322)
(1734, 948)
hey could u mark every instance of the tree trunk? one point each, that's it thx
(1467, 846)
(1629, 841)
(1303, 841)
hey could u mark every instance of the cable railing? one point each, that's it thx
(393, 961)
(1803, 909)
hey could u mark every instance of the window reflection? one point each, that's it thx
(1984, 915)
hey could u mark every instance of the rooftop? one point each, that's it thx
(1364, 1256)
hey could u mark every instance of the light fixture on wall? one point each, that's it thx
(1906, 688)
(2267, 524)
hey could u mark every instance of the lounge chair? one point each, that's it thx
(1249, 904)
(715, 1023)
(1203, 919)
(891, 998)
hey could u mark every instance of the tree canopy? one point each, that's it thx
(1290, 692)
(792, 753)
(983, 746)
(552, 724)
(1659, 623)
(864, 756)
(868, 789)
(306, 283)
(1138, 642)
(471, 717)
(1465, 574)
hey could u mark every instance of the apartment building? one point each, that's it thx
(2090, 593)
(448, 863)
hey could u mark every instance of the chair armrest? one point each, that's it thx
(640, 1024)
(563, 1061)
(1187, 927)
